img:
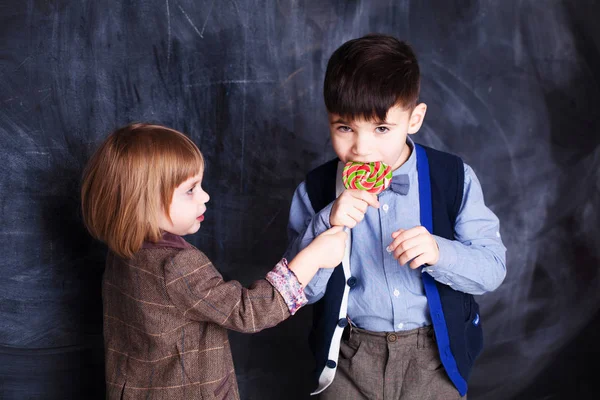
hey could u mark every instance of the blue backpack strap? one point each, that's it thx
(431, 289)
(461, 311)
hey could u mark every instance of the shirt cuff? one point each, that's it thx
(287, 284)
(442, 270)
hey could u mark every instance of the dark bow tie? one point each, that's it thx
(400, 184)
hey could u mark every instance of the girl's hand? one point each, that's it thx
(415, 244)
(328, 248)
(325, 251)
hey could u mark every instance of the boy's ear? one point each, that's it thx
(416, 118)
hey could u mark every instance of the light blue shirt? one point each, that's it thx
(389, 296)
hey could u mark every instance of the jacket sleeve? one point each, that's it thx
(199, 292)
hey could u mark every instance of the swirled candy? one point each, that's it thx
(373, 177)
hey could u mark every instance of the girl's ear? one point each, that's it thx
(416, 118)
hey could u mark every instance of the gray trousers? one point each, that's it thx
(390, 366)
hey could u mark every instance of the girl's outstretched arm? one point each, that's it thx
(198, 290)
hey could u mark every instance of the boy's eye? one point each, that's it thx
(382, 129)
(344, 128)
(191, 191)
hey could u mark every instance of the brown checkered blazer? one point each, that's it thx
(166, 315)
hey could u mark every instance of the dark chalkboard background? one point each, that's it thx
(512, 86)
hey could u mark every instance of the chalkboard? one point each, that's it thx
(511, 86)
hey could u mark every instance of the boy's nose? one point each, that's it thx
(361, 148)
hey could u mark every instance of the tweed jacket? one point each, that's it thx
(166, 315)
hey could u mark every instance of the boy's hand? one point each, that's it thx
(415, 244)
(350, 208)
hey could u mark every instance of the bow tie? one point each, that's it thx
(400, 184)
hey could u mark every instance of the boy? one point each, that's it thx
(397, 319)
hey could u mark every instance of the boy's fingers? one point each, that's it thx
(408, 233)
(348, 221)
(356, 214)
(419, 261)
(333, 230)
(405, 255)
(395, 234)
(401, 238)
(406, 245)
(392, 246)
(411, 254)
(370, 198)
(361, 206)
(349, 216)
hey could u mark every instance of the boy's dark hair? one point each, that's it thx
(367, 76)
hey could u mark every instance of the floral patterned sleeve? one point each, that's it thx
(287, 284)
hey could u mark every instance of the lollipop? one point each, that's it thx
(373, 177)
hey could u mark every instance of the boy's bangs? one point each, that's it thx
(367, 98)
(357, 101)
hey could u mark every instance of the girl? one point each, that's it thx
(166, 307)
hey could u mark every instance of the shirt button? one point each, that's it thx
(400, 325)
(342, 322)
(388, 249)
(330, 364)
(386, 207)
(396, 292)
(351, 281)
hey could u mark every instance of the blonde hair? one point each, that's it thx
(129, 182)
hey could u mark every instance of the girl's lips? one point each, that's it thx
(200, 218)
